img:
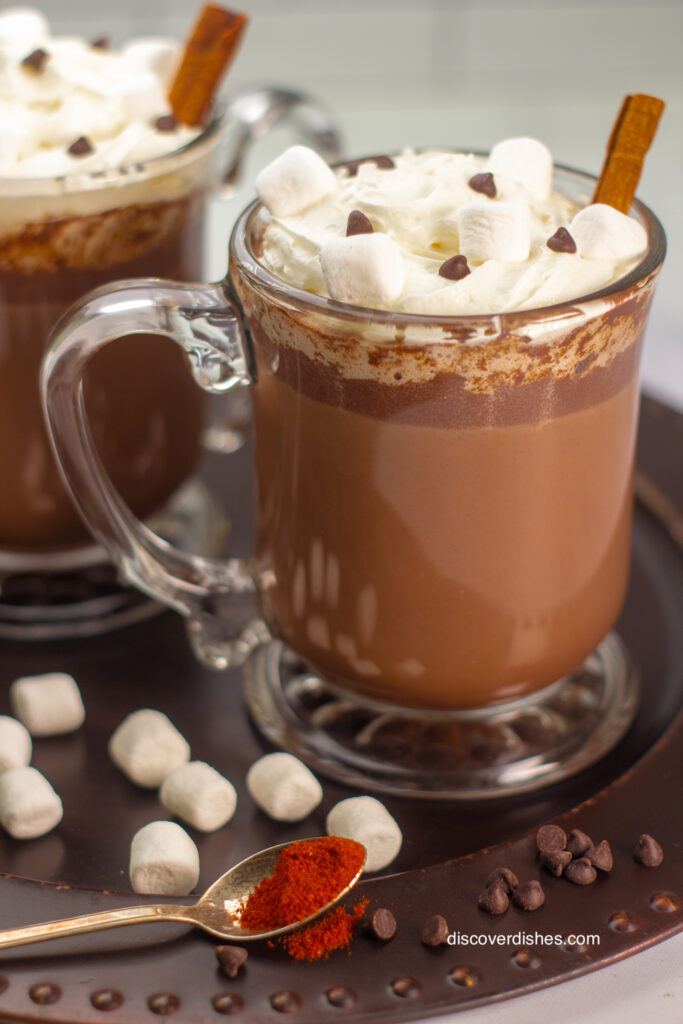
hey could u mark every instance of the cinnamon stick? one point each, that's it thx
(210, 49)
(632, 134)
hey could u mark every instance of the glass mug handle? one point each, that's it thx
(218, 597)
(251, 114)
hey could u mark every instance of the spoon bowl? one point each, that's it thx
(216, 912)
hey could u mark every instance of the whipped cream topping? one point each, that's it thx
(431, 209)
(68, 90)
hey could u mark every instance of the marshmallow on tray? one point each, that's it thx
(526, 161)
(15, 744)
(199, 795)
(294, 181)
(163, 860)
(494, 231)
(366, 820)
(147, 747)
(283, 787)
(29, 806)
(363, 268)
(603, 233)
(48, 705)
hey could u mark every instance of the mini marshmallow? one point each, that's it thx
(199, 795)
(494, 231)
(603, 233)
(147, 747)
(363, 268)
(366, 820)
(153, 54)
(163, 860)
(283, 787)
(23, 25)
(48, 705)
(526, 161)
(294, 181)
(29, 806)
(15, 744)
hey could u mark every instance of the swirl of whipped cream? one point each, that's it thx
(113, 99)
(431, 209)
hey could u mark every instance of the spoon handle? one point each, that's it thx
(94, 923)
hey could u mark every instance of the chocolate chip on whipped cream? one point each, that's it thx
(483, 183)
(561, 241)
(36, 60)
(103, 43)
(80, 147)
(455, 268)
(358, 224)
(166, 123)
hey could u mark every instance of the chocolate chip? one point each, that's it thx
(493, 900)
(103, 43)
(455, 268)
(166, 123)
(551, 837)
(601, 856)
(36, 60)
(231, 958)
(383, 162)
(435, 930)
(80, 147)
(561, 241)
(358, 224)
(382, 924)
(483, 183)
(505, 877)
(648, 852)
(578, 842)
(555, 861)
(529, 895)
(580, 872)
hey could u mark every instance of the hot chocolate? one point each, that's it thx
(444, 503)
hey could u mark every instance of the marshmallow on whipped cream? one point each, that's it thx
(520, 244)
(68, 106)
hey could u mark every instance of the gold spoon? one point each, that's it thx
(217, 912)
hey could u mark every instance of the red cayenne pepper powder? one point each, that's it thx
(334, 932)
(308, 874)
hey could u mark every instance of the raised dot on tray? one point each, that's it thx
(341, 996)
(465, 976)
(163, 1003)
(285, 1002)
(106, 999)
(525, 958)
(664, 902)
(406, 988)
(44, 993)
(622, 922)
(4, 983)
(227, 1003)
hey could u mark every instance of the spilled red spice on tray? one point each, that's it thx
(334, 931)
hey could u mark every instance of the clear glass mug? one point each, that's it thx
(60, 239)
(444, 508)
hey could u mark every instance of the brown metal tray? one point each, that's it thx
(134, 974)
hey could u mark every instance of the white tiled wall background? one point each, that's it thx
(463, 73)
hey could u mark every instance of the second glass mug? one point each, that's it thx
(444, 506)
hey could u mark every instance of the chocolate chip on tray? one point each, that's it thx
(80, 147)
(382, 924)
(561, 241)
(578, 842)
(435, 930)
(454, 268)
(484, 184)
(529, 895)
(555, 861)
(600, 856)
(648, 852)
(504, 877)
(358, 224)
(231, 959)
(580, 872)
(494, 899)
(166, 123)
(36, 60)
(551, 837)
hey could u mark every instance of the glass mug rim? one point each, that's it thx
(262, 279)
